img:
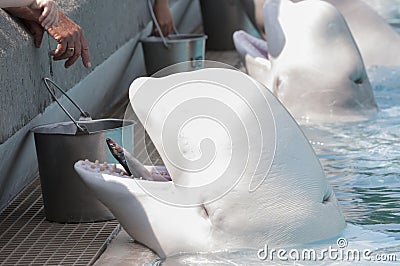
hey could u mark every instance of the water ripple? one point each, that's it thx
(362, 160)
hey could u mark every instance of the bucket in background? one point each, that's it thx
(58, 146)
(163, 51)
(179, 48)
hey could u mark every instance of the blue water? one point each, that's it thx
(362, 163)
(362, 160)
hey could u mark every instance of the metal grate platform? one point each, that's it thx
(26, 237)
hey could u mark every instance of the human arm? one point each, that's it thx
(163, 16)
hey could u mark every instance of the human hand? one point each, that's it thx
(68, 35)
(164, 18)
(49, 16)
(71, 42)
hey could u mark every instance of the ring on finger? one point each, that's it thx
(71, 49)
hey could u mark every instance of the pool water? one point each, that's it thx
(362, 160)
(362, 163)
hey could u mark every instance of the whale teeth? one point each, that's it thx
(141, 178)
(111, 170)
(132, 177)
(96, 162)
(102, 168)
(92, 166)
(115, 166)
(86, 160)
(105, 163)
(121, 173)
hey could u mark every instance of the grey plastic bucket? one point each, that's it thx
(179, 48)
(58, 146)
(221, 18)
(66, 198)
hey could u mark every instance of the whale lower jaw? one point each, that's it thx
(247, 44)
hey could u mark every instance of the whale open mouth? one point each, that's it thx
(247, 44)
(129, 166)
(117, 170)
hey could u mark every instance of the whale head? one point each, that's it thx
(243, 173)
(313, 65)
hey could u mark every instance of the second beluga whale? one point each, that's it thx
(309, 61)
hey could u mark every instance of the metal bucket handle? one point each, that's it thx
(81, 129)
(153, 16)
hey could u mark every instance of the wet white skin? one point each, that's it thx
(292, 203)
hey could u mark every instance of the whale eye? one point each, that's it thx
(327, 197)
(359, 77)
(359, 80)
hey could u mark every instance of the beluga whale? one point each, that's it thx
(309, 61)
(242, 173)
(377, 41)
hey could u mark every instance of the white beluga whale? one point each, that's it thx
(309, 61)
(243, 173)
(377, 41)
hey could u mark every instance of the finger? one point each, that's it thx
(154, 31)
(165, 30)
(169, 29)
(46, 11)
(60, 49)
(85, 53)
(69, 52)
(44, 14)
(75, 56)
(49, 23)
(49, 20)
